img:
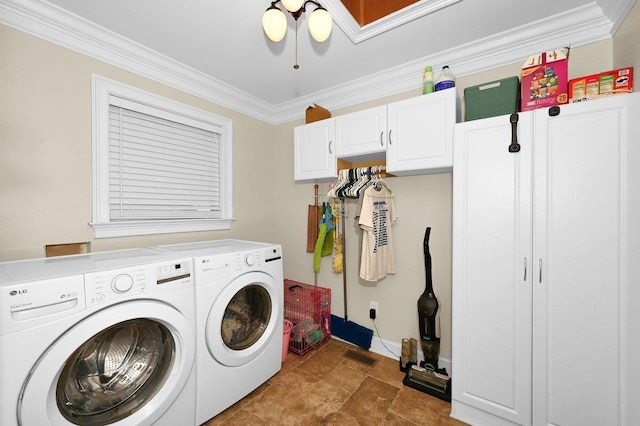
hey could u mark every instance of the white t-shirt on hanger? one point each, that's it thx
(377, 216)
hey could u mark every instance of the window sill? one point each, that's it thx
(127, 229)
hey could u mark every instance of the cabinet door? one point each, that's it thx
(586, 324)
(362, 132)
(314, 157)
(420, 133)
(492, 272)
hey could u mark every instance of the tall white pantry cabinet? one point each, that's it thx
(546, 267)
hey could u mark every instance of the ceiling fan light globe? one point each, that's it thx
(292, 5)
(274, 24)
(320, 25)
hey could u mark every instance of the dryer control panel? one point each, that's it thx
(104, 286)
(216, 267)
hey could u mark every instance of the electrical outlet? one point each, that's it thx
(374, 305)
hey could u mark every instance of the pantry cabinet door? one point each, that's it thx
(586, 244)
(492, 272)
(314, 151)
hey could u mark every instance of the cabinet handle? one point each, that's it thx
(390, 130)
(525, 270)
(540, 267)
(330, 142)
(381, 143)
(514, 147)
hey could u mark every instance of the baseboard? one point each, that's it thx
(392, 350)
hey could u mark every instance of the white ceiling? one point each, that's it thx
(217, 50)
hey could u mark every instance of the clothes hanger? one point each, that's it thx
(380, 182)
(355, 183)
(338, 184)
(344, 192)
(365, 180)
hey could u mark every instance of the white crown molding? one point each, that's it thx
(618, 13)
(56, 25)
(357, 34)
(580, 26)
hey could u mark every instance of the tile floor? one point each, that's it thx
(324, 388)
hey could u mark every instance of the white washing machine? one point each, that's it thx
(239, 319)
(97, 339)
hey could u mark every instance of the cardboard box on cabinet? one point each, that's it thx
(544, 80)
(605, 83)
(316, 113)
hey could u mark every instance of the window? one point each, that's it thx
(158, 166)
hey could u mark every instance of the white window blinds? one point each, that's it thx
(161, 165)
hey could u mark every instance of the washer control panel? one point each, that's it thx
(122, 283)
(104, 286)
(23, 305)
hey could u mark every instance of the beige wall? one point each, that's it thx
(626, 51)
(45, 152)
(45, 178)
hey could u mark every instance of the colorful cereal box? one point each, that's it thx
(544, 80)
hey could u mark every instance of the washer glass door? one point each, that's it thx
(100, 371)
(246, 317)
(115, 372)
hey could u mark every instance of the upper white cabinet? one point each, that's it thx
(361, 133)
(414, 136)
(420, 134)
(546, 243)
(314, 151)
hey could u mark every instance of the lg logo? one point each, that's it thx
(16, 292)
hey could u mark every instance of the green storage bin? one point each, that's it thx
(493, 98)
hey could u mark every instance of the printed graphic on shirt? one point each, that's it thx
(380, 213)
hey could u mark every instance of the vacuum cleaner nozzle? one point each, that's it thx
(428, 381)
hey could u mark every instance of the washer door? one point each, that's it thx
(243, 319)
(100, 372)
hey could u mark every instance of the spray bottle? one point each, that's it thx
(427, 80)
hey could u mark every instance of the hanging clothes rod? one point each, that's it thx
(376, 169)
(351, 182)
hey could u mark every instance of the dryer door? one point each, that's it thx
(100, 372)
(244, 319)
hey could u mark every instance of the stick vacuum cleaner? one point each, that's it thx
(427, 377)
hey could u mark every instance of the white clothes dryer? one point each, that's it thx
(239, 319)
(97, 339)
